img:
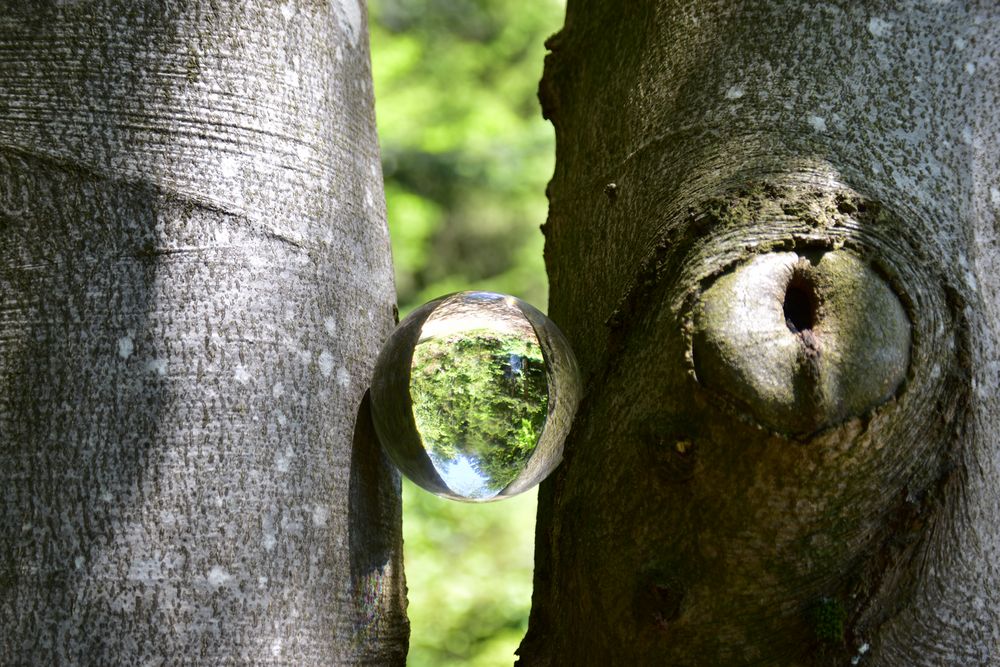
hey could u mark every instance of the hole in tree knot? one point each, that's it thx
(801, 304)
(801, 340)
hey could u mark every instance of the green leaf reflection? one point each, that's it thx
(480, 399)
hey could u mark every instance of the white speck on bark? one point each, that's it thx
(217, 576)
(284, 460)
(343, 377)
(278, 390)
(325, 363)
(125, 347)
(158, 366)
(228, 167)
(879, 27)
(970, 68)
(292, 526)
(995, 196)
(817, 123)
(241, 375)
(349, 16)
(330, 323)
(319, 515)
(735, 92)
(268, 539)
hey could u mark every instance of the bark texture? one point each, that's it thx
(194, 282)
(691, 138)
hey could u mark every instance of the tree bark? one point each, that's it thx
(195, 282)
(683, 526)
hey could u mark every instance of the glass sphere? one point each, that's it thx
(473, 395)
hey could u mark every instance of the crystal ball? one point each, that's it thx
(473, 395)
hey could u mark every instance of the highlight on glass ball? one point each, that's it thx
(473, 395)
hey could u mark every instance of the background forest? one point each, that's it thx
(466, 156)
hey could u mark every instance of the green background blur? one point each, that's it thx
(466, 156)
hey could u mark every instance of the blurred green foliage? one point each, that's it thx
(466, 156)
(465, 151)
(468, 574)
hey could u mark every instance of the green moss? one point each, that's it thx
(192, 67)
(828, 619)
(758, 201)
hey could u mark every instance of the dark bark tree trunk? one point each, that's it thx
(697, 518)
(194, 282)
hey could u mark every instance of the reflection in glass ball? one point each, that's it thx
(473, 395)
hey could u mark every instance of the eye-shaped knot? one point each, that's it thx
(802, 341)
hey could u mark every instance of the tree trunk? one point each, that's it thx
(195, 281)
(692, 521)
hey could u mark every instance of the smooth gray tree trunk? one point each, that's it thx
(194, 281)
(683, 528)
